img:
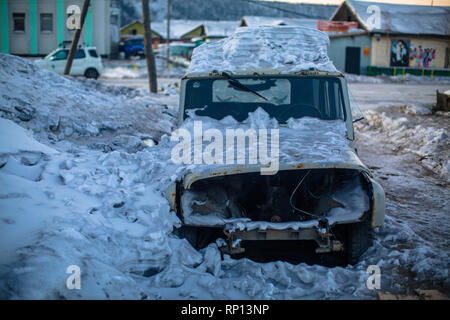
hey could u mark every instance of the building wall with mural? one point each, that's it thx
(36, 27)
(404, 51)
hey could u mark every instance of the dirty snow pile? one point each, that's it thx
(409, 78)
(125, 69)
(430, 144)
(124, 73)
(65, 201)
(264, 49)
(58, 109)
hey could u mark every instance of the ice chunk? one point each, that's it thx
(265, 49)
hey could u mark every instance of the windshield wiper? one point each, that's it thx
(234, 82)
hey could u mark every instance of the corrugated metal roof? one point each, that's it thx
(403, 19)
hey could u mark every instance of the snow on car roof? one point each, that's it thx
(264, 50)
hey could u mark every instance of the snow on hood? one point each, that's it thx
(301, 141)
(264, 49)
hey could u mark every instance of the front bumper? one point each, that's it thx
(321, 234)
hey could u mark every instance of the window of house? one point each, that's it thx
(46, 22)
(19, 22)
(114, 19)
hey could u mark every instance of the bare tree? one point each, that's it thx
(151, 67)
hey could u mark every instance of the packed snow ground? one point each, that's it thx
(125, 69)
(404, 128)
(70, 195)
(409, 78)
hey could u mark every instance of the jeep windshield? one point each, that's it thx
(281, 97)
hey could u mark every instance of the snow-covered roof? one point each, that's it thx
(401, 19)
(349, 33)
(220, 29)
(302, 22)
(255, 21)
(178, 28)
(264, 49)
(131, 23)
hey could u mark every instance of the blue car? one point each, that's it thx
(133, 47)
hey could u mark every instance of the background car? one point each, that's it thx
(133, 47)
(85, 63)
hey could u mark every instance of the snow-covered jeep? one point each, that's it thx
(278, 78)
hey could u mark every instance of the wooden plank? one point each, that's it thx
(419, 295)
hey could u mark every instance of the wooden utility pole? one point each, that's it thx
(76, 37)
(151, 67)
(168, 34)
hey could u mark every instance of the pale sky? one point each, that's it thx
(337, 2)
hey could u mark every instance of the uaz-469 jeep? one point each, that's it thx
(321, 192)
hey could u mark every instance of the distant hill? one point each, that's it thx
(223, 10)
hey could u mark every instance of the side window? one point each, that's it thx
(93, 53)
(340, 113)
(60, 55)
(80, 54)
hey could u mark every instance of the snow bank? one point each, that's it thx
(264, 49)
(58, 109)
(14, 139)
(353, 78)
(123, 73)
(124, 69)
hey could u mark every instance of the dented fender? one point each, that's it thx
(378, 203)
(171, 195)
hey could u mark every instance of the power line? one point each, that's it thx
(260, 3)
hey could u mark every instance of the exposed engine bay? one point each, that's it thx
(325, 206)
(294, 195)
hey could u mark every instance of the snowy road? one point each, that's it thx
(138, 83)
(416, 197)
(372, 95)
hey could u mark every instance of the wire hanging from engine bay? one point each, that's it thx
(293, 193)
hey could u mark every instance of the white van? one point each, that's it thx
(85, 63)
